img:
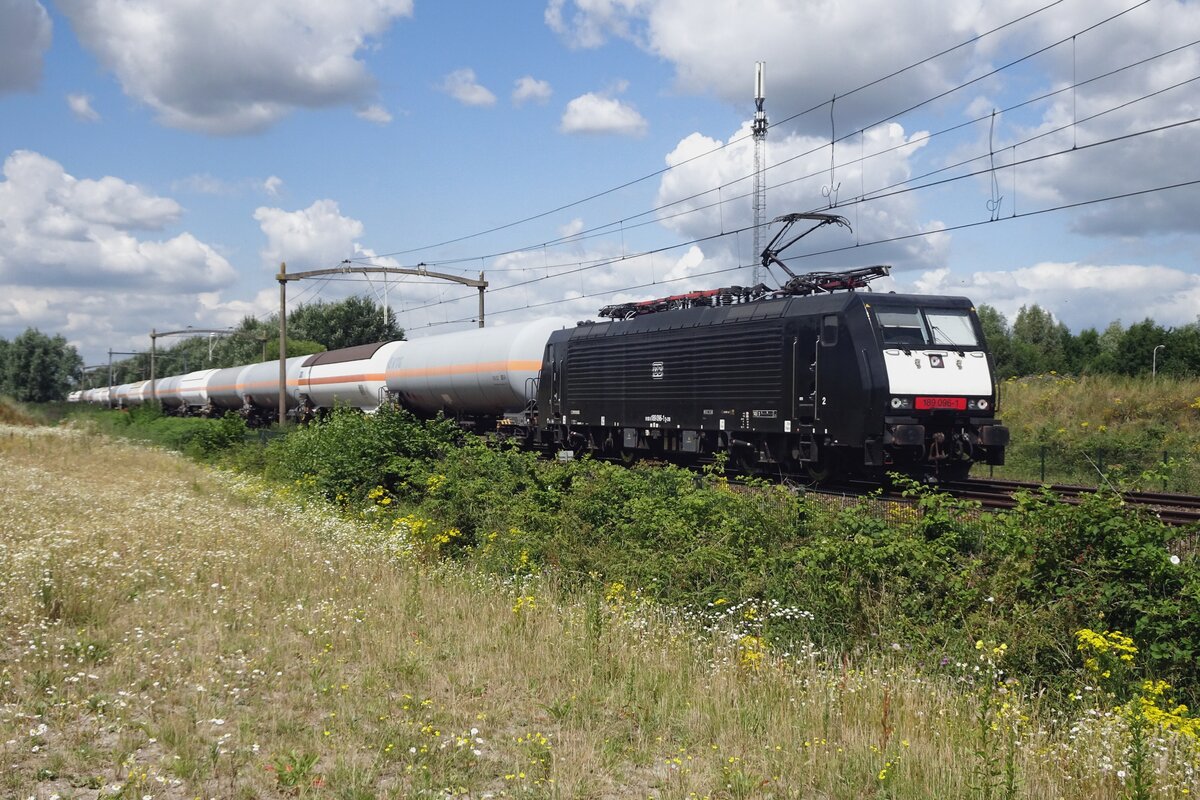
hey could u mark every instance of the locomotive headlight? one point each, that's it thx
(899, 403)
(979, 405)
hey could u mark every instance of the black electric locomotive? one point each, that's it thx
(805, 378)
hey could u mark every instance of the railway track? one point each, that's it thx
(1173, 509)
(992, 493)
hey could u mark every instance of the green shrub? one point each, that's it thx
(349, 453)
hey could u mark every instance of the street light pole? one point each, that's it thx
(1154, 361)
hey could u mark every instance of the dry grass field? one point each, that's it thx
(168, 631)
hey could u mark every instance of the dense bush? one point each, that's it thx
(926, 579)
(350, 453)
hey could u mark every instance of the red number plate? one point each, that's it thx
(952, 403)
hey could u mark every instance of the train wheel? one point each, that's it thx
(817, 471)
(628, 456)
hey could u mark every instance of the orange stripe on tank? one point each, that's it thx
(466, 369)
(374, 376)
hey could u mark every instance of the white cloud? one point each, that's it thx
(375, 113)
(529, 89)
(571, 229)
(599, 113)
(25, 32)
(66, 232)
(81, 107)
(713, 46)
(463, 87)
(1080, 295)
(317, 237)
(593, 21)
(712, 49)
(201, 183)
(709, 189)
(272, 185)
(225, 67)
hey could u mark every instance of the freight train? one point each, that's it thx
(816, 378)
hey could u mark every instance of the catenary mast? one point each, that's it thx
(759, 199)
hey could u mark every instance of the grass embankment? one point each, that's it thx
(170, 632)
(1106, 425)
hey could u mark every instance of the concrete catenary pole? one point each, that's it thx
(153, 353)
(282, 278)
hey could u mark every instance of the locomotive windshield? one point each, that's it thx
(916, 327)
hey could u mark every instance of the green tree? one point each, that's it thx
(1082, 351)
(999, 339)
(1136, 351)
(4, 347)
(1038, 341)
(346, 323)
(38, 368)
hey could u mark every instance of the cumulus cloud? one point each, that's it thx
(712, 51)
(1084, 129)
(463, 87)
(25, 32)
(603, 114)
(317, 237)
(375, 113)
(709, 189)
(81, 107)
(528, 89)
(222, 67)
(713, 48)
(201, 183)
(63, 231)
(1078, 294)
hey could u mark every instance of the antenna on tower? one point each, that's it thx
(759, 198)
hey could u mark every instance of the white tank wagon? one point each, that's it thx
(166, 391)
(352, 376)
(259, 385)
(119, 395)
(225, 388)
(487, 371)
(75, 396)
(139, 392)
(193, 389)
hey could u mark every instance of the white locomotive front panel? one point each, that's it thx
(938, 372)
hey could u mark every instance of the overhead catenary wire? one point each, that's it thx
(576, 267)
(892, 239)
(656, 173)
(878, 193)
(627, 223)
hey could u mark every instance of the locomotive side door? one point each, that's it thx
(825, 373)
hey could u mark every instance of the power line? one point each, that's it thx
(731, 142)
(889, 240)
(625, 223)
(584, 266)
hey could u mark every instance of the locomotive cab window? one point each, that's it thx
(829, 330)
(931, 327)
(951, 328)
(902, 328)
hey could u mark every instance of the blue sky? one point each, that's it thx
(161, 158)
